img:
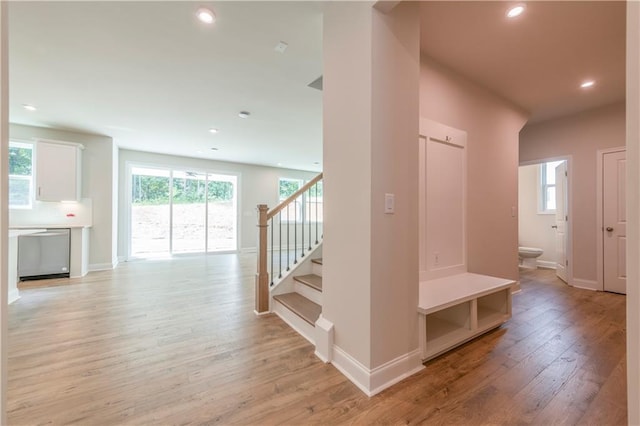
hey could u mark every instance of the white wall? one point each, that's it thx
(534, 229)
(97, 184)
(633, 211)
(258, 185)
(370, 127)
(492, 125)
(579, 136)
(4, 205)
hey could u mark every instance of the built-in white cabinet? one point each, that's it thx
(454, 305)
(58, 171)
(457, 308)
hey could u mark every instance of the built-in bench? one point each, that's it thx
(455, 309)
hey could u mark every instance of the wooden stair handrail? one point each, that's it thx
(277, 209)
(264, 215)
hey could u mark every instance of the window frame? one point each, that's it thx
(29, 178)
(303, 207)
(543, 186)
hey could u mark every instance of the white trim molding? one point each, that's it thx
(585, 284)
(102, 266)
(374, 381)
(546, 264)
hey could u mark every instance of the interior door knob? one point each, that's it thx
(609, 229)
(554, 226)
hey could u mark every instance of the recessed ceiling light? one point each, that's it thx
(244, 114)
(279, 164)
(515, 11)
(281, 47)
(198, 152)
(316, 162)
(214, 131)
(587, 84)
(214, 149)
(29, 107)
(206, 15)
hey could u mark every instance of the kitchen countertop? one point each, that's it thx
(44, 227)
(17, 232)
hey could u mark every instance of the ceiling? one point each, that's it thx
(155, 79)
(538, 59)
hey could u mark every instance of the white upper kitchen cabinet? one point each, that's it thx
(58, 171)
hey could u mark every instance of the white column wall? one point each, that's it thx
(4, 205)
(370, 272)
(346, 269)
(394, 142)
(633, 212)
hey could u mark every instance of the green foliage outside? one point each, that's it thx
(20, 161)
(154, 190)
(289, 187)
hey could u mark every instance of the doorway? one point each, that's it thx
(612, 220)
(181, 211)
(544, 217)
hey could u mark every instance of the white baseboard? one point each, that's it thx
(249, 250)
(14, 294)
(122, 259)
(546, 264)
(585, 284)
(374, 381)
(324, 339)
(101, 266)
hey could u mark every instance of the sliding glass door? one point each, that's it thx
(180, 211)
(221, 213)
(150, 211)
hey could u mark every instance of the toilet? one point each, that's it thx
(528, 255)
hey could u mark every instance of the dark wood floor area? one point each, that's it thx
(176, 342)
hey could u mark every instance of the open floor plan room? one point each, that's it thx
(176, 341)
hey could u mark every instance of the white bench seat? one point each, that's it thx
(455, 309)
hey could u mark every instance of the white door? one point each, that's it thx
(561, 221)
(614, 222)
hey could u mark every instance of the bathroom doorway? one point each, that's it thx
(544, 217)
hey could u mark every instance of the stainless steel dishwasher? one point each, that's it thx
(44, 254)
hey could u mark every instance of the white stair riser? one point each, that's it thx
(303, 328)
(308, 292)
(316, 269)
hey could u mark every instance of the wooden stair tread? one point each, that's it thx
(311, 280)
(301, 306)
(318, 261)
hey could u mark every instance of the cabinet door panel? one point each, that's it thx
(57, 170)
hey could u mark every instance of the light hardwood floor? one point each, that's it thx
(176, 342)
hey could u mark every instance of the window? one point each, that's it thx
(288, 187)
(20, 175)
(308, 207)
(548, 186)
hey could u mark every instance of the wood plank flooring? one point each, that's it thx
(176, 342)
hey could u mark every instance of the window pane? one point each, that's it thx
(550, 198)
(188, 211)
(149, 211)
(20, 159)
(19, 191)
(222, 213)
(288, 187)
(551, 172)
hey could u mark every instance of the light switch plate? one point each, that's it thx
(389, 203)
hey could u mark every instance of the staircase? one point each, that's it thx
(302, 307)
(289, 270)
